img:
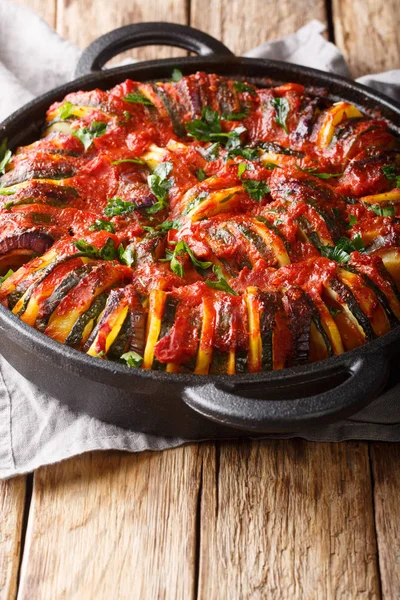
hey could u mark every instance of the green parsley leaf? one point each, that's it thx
(117, 207)
(86, 135)
(344, 247)
(5, 156)
(382, 211)
(6, 276)
(66, 110)
(8, 206)
(352, 220)
(107, 252)
(136, 161)
(390, 172)
(132, 359)
(176, 75)
(221, 283)
(334, 311)
(244, 87)
(199, 264)
(127, 255)
(179, 251)
(241, 169)
(160, 184)
(208, 129)
(313, 171)
(127, 115)
(101, 225)
(210, 153)
(138, 98)
(256, 189)
(247, 153)
(282, 108)
(201, 174)
(162, 227)
(271, 166)
(8, 192)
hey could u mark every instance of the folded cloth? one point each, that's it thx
(36, 429)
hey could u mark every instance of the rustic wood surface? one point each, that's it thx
(280, 519)
(12, 500)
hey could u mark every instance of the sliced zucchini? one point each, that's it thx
(202, 205)
(156, 310)
(84, 324)
(332, 117)
(205, 350)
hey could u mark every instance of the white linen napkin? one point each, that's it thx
(36, 429)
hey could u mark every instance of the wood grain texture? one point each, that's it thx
(287, 519)
(386, 466)
(243, 25)
(81, 21)
(12, 500)
(367, 32)
(112, 525)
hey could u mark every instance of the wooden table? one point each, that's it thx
(266, 519)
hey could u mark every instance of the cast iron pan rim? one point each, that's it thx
(101, 370)
(323, 79)
(94, 367)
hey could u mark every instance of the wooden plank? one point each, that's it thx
(44, 8)
(81, 21)
(112, 525)
(243, 25)
(367, 32)
(12, 500)
(386, 465)
(287, 519)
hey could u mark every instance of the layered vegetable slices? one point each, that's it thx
(204, 225)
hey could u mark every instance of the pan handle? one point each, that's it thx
(341, 390)
(144, 34)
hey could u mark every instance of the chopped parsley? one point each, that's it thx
(107, 252)
(313, 171)
(180, 250)
(352, 220)
(201, 174)
(247, 153)
(126, 256)
(390, 172)
(176, 75)
(101, 225)
(132, 359)
(163, 227)
(138, 98)
(334, 311)
(382, 211)
(66, 110)
(6, 276)
(160, 183)
(256, 189)
(5, 156)
(86, 135)
(208, 129)
(282, 108)
(117, 207)
(244, 87)
(344, 247)
(221, 283)
(241, 169)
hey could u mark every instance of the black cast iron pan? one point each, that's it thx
(195, 406)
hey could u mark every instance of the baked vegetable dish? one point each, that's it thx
(204, 225)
